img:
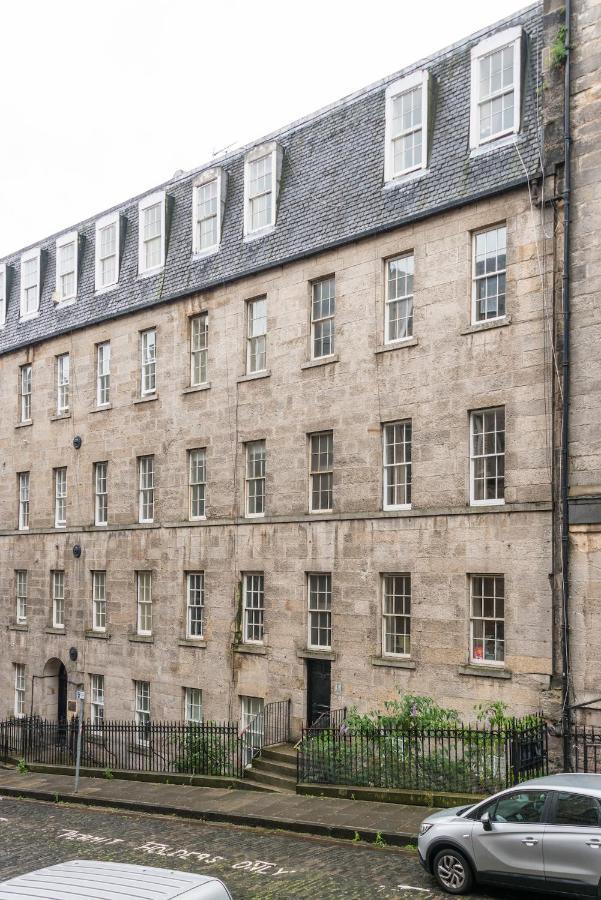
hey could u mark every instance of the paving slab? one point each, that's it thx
(397, 824)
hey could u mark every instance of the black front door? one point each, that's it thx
(62, 694)
(319, 676)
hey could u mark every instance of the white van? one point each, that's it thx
(82, 879)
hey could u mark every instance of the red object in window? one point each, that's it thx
(477, 653)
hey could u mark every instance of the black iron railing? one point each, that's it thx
(464, 759)
(270, 726)
(586, 748)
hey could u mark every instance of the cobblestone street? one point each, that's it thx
(253, 863)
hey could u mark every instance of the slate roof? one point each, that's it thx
(332, 191)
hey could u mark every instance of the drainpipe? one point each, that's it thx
(565, 423)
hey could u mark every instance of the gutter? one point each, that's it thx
(565, 423)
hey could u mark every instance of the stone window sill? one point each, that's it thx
(485, 671)
(199, 643)
(55, 631)
(18, 626)
(97, 635)
(323, 361)
(254, 376)
(396, 345)
(195, 388)
(26, 424)
(147, 399)
(103, 408)
(141, 638)
(316, 654)
(252, 649)
(501, 322)
(392, 662)
(59, 416)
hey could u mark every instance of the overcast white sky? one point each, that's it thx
(102, 99)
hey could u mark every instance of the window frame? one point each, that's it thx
(109, 221)
(21, 595)
(99, 601)
(97, 700)
(388, 301)
(158, 198)
(103, 354)
(3, 293)
(253, 156)
(482, 661)
(203, 351)
(327, 611)
(493, 501)
(499, 41)
(57, 577)
(395, 90)
(384, 615)
(20, 689)
(189, 695)
(144, 602)
(318, 472)
(197, 484)
(207, 177)
(142, 707)
(63, 387)
(24, 314)
(190, 636)
(23, 479)
(98, 521)
(386, 466)
(250, 611)
(25, 397)
(64, 241)
(142, 490)
(148, 364)
(251, 338)
(477, 278)
(254, 478)
(321, 319)
(60, 496)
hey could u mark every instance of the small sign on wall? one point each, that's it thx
(72, 706)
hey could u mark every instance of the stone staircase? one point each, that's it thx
(274, 769)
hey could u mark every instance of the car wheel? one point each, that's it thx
(452, 871)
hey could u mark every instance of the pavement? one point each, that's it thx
(392, 823)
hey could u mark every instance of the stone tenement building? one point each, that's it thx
(283, 426)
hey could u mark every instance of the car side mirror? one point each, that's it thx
(486, 821)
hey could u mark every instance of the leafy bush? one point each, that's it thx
(203, 754)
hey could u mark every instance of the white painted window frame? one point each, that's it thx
(97, 697)
(113, 219)
(60, 497)
(218, 175)
(155, 199)
(474, 660)
(3, 293)
(63, 399)
(251, 478)
(58, 598)
(146, 485)
(254, 340)
(315, 474)
(385, 615)
(148, 364)
(249, 592)
(386, 465)
(100, 520)
(192, 484)
(144, 602)
(394, 90)
(317, 321)
(21, 590)
(316, 610)
(388, 300)
(103, 373)
(25, 258)
(477, 278)
(99, 605)
(199, 354)
(142, 698)
(25, 392)
(66, 240)
(24, 499)
(192, 701)
(274, 149)
(190, 606)
(500, 501)
(489, 45)
(19, 701)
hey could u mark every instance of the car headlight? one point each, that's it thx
(425, 827)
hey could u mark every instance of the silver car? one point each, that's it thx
(543, 835)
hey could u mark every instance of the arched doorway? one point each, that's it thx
(52, 704)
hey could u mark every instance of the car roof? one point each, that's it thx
(82, 878)
(568, 781)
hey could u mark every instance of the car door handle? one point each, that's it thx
(595, 842)
(530, 842)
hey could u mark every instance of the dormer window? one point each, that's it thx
(30, 284)
(262, 170)
(151, 233)
(495, 90)
(107, 251)
(207, 213)
(406, 125)
(3, 293)
(66, 267)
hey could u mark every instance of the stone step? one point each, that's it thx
(282, 752)
(274, 781)
(250, 784)
(277, 766)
